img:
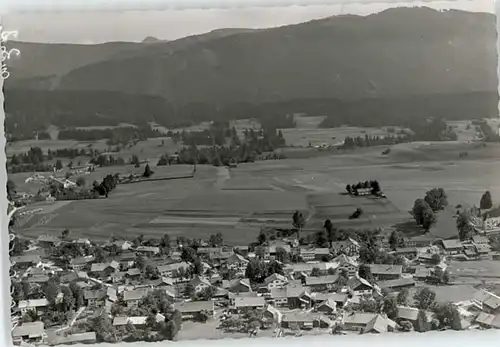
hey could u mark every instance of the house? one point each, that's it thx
(489, 301)
(79, 263)
(483, 250)
(487, 320)
(232, 297)
(275, 281)
(237, 262)
(348, 247)
(321, 283)
(340, 299)
(243, 250)
(480, 240)
(397, 284)
(70, 339)
(328, 307)
(305, 320)
(357, 321)
(269, 252)
(150, 251)
(309, 254)
(386, 272)
(240, 285)
(133, 273)
(189, 309)
(293, 296)
(346, 263)
(169, 269)
(104, 270)
(359, 286)
(451, 247)
(133, 297)
(419, 241)
(273, 314)
(22, 262)
(248, 303)
(408, 252)
(123, 245)
(199, 284)
(32, 305)
(28, 332)
(379, 325)
(47, 240)
(94, 298)
(305, 269)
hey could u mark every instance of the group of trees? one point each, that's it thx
(368, 141)
(107, 185)
(373, 186)
(115, 135)
(424, 210)
(257, 270)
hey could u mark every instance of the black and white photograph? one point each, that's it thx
(252, 172)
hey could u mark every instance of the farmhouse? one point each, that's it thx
(419, 241)
(348, 247)
(347, 264)
(328, 307)
(451, 246)
(32, 305)
(104, 270)
(386, 272)
(321, 283)
(239, 285)
(190, 309)
(169, 269)
(237, 262)
(397, 284)
(489, 301)
(28, 332)
(275, 281)
(305, 320)
(408, 253)
(132, 298)
(379, 324)
(357, 321)
(23, 262)
(248, 303)
(199, 284)
(359, 286)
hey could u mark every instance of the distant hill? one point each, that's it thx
(398, 64)
(397, 52)
(150, 39)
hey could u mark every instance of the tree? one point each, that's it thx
(423, 214)
(80, 181)
(366, 273)
(188, 254)
(424, 298)
(298, 222)
(437, 199)
(486, 202)
(406, 326)
(282, 255)
(429, 219)
(446, 277)
(59, 165)
(436, 259)
(330, 233)
(464, 226)
(402, 297)
(315, 272)
(64, 234)
(422, 324)
(390, 307)
(394, 240)
(135, 161)
(202, 316)
(11, 188)
(448, 316)
(147, 171)
(348, 189)
(375, 187)
(197, 267)
(189, 290)
(216, 240)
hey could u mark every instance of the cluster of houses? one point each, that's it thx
(310, 294)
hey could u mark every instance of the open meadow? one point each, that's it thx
(237, 202)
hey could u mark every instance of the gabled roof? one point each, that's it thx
(396, 283)
(378, 324)
(381, 269)
(194, 306)
(94, 294)
(487, 298)
(452, 244)
(249, 301)
(356, 281)
(330, 303)
(407, 313)
(488, 320)
(330, 279)
(34, 329)
(275, 277)
(343, 259)
(28, 258)
(136, 294)
(236, 258)
(359, 318)
(33, 303)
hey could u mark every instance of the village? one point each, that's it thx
(68, 290)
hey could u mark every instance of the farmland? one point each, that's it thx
(238, 202)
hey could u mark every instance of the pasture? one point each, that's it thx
(237, 202)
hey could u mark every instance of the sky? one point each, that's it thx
(92, 27)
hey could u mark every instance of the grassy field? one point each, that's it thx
(238, 201)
